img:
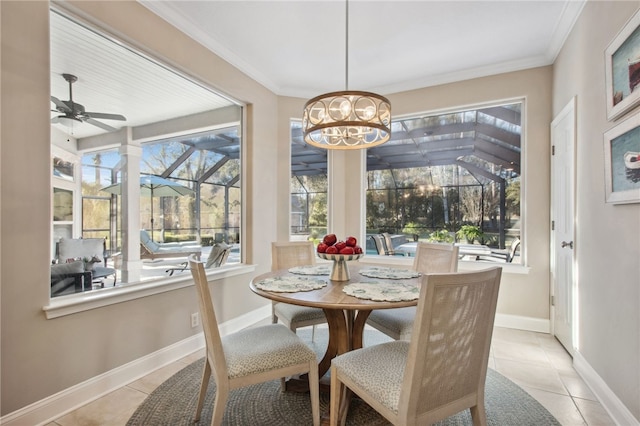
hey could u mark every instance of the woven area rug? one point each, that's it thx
(173, 403)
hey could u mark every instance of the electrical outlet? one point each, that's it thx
(195, 319)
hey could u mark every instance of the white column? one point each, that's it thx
(131, 153)
(346, 202)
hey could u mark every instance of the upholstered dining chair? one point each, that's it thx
(249, 356)
(430, 258)
(441, 370)
(285, 255)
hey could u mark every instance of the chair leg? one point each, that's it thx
(314, 390)
(337, 398)
(206, 375)
(219, 405)
(478, 415)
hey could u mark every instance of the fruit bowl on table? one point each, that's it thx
(340, 257)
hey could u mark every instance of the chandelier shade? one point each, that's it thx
(347, 120)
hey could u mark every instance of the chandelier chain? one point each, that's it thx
(346, 47)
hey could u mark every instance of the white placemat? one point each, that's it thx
(381, 291)
(389, 273)
(290, 284)
(311, 270)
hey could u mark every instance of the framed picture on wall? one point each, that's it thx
(622, 162)
(62, 205)
(63, 169)
(622, 59)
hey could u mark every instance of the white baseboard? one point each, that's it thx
(57, 405)
(539, 325)
(616, 409)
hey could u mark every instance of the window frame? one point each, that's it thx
(522, 100)
(79, 302)
(522, 175)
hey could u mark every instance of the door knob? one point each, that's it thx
(567, 244)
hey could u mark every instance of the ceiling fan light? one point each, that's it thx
(68, 121)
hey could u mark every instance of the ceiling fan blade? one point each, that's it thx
(105, 116)
(99, 124)
(62, 107)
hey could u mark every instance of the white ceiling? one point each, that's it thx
(117, 80)
(297, 47)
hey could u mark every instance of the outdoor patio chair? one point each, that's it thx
(217, 257)
(503, 255)
(430, 258)
(250, 356)
(92, 251)
(150, 249)
(381, 245)
(441, 371)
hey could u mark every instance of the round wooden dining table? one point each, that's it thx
(346, 315)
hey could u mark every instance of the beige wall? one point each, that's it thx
(607, 236)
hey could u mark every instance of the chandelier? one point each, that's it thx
(348, 119)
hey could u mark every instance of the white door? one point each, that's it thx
(562, 220)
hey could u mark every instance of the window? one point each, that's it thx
(449, 177)
(308, 188)
(175, 129)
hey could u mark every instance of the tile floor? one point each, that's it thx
(535, 361)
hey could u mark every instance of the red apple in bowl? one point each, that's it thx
(347, 250)
(330, 239)
(331, 250)
(340, 245)
(322, 247)
(351, 241)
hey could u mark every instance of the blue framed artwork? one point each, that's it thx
(622, 59)
(622, 162)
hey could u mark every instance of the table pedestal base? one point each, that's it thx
(346, 330)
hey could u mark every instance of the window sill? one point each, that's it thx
(463, 265)
(68, 305)
(508, 268)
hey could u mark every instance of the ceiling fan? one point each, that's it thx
(75, 112)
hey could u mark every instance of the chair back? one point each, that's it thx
(215, 353)
(146, 241)
(512, 249)
(433, 258)
(449, 349)
(288, 254)
(388, 243)
(218, 255)
(381, 245)
(73, 248)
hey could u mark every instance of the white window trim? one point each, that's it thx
(80, 302)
